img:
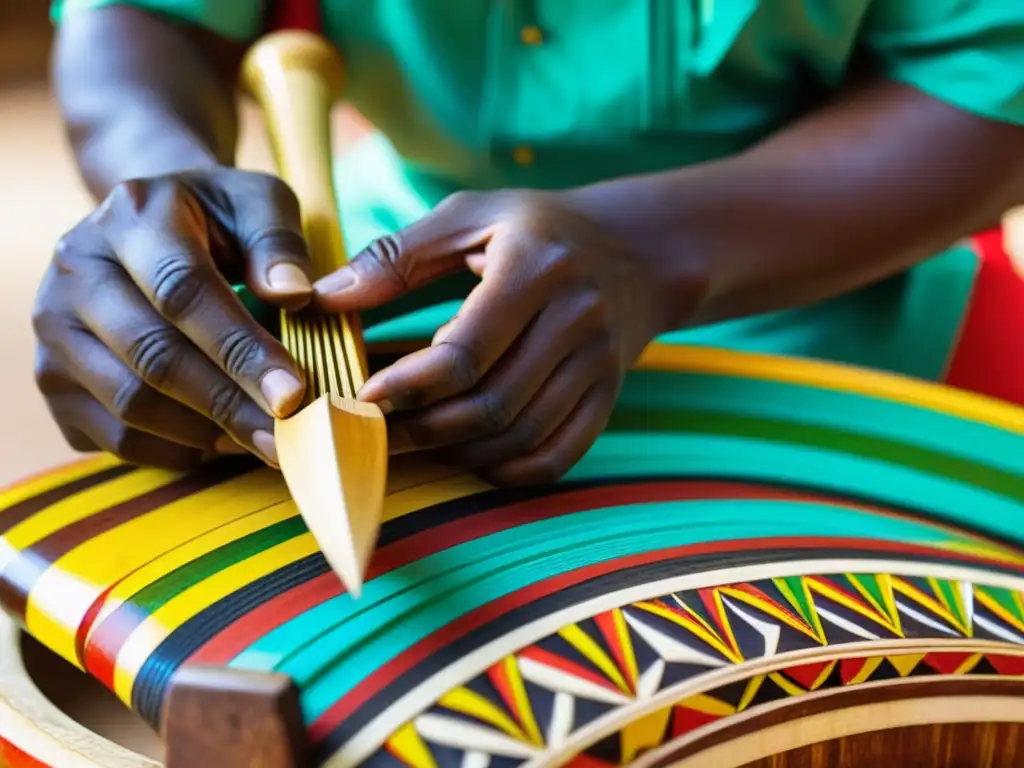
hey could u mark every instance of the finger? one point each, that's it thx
(78, 440)
(87, 416)
(490, 409)
(435, 245)
(490, 320)
(556, 401)
(125, 396)
(268, 226)
(175, 272)
(149, 376)
(560, 452)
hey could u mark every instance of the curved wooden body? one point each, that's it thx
(757, 556)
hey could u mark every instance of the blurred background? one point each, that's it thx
(40, 198)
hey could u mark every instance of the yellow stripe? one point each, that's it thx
(968, 664)
(62, 596)
(436, 492)
(84, 504)
(522, 700)
(473, 704)
(52, 478)
(626, 644)
(190, 551)
(905, 663)
(723, 620)
(816, 373)
(595, 654)
(141, 644)
(843, 599)
(991, 604)
(929, 602)
(870, 665)
(786, 684)
(708, 637)
(769, 607)
(815, 620)
(643, 733)
(709, 706)
(753, 686)
(935, 397)
(984, 549)
(409, 748)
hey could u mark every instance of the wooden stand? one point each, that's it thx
(227, 718)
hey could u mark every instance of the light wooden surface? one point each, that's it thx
(333, 453)
(40, 197)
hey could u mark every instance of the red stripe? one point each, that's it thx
(12, 757)
(291, 604)
(222, 648)
(989, 357)
(549, 659)
(479, 617)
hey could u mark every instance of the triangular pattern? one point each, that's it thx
(539, 696)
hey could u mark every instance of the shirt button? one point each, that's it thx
(523, 156)
(531, 35)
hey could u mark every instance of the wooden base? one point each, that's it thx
(956, 745)
(233, 719)
(938, 722)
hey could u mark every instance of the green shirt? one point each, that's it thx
(557, 93)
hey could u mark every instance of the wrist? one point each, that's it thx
(659, 240)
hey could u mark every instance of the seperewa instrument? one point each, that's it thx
(759, 557)
(761, 562)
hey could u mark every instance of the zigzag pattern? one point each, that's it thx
(601, 667)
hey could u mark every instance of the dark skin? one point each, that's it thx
(145, 352)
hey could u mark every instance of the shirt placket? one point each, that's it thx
(513, 31)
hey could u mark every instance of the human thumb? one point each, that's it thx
(392, 265)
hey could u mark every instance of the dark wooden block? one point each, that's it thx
(233, 719)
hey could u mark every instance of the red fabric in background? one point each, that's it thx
(295, 14)
(989, 357)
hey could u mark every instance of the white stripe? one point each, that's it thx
(459, 734)
(370, 738)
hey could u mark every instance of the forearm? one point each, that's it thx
(141, 96)
(859, 191)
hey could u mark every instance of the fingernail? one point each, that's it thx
(264, 442)
(288, 278)
(282, 391)
(385, 406)
(226, 446)
(336, 281)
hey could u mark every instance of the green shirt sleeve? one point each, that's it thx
(969, 54)
(233, 19)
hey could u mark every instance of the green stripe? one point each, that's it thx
(845, 411)
(157, 594)
(824, 438)
(698, 455)
(400, 608)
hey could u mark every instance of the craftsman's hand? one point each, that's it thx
(520, 384)
(144, 350)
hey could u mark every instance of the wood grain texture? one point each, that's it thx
(957, 745)
(233, 719)
(953, 721)
(34, 726)
(333, 453)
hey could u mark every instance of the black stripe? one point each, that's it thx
(18, 513)
(566, 598)
(152, 682)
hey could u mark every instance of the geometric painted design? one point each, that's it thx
(714, 466)
(604, 667)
